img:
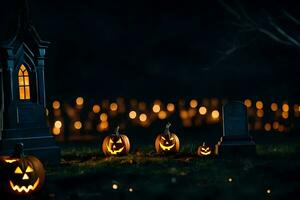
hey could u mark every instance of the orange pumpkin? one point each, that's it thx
(167, 143)
(21, 175)
(116, 144)
(204, 150)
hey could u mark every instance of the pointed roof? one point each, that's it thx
(25, 30)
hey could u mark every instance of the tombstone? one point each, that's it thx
(22, 93)
(236, 138)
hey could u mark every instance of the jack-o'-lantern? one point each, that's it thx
(116, 144)
(21, 175)
(204, 150)
(167, 143)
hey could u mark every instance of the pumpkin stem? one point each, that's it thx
(203, 144)
(19, 150)
(167, 129)
(117, 130)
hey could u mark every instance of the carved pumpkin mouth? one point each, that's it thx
(114, 152)
(206, 153)
(25, 189)
(168, 148)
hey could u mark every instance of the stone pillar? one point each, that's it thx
(41, 77)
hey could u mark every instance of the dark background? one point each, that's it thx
(166, 49)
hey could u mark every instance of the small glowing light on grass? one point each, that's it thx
(193, 103)
(268, 126)
(55, 131)
(114, 106)
(162, 115)
(56, 104)
(202, 110)
(115, 186)
(230, 180)
(274, 107)
(77, 125)
(103, 117)
(130, 189)
(260, 113)
(215, 114)
(79, 101)
(58, 124)
(132, 114)
(285, 115)
(268, 191)
(248, 103)
(259, 105)
(96, 108)
(156, 108)
(285, 107)
(170, 107)
(143, 117)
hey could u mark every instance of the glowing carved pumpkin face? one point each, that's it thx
(167, 142)
(116, 144)
(204, 150)
(23, 175)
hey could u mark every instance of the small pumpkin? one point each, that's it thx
(116, 144)
(204, 150)
(21, 175)
(167, 143)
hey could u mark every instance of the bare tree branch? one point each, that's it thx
(288, 15)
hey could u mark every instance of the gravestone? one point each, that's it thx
(236, 138)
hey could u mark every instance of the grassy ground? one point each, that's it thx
(86, 174)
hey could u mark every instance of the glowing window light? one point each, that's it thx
(114, 106)
(132, 114)
(162, 115)
(58, 124)
(24, 86)
(103, 126)
(202, 110)
(56, 104)
(143, 117)
(268, 127)
(275, 125)
(96, 108)
(79, 101)
(285, 115)
(184, 114)
(248, 103)
(193, 103)
(274, 107)
(215, 114)
(156, 108)
(103, 117)
(285, 107)
(170, 107)
(259, 105)
(260, 113)
(77, 125)
(56, 131)
(281, 128)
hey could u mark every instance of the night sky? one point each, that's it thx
(163, 49)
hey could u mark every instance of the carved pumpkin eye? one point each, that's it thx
(171, 138)
(119, 141)
(110, 141)
(163, 138)
(10, 160)
(29, 169)
(18, 171)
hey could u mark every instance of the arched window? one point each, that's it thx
(24, 86)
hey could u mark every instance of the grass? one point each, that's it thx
(86, 174)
